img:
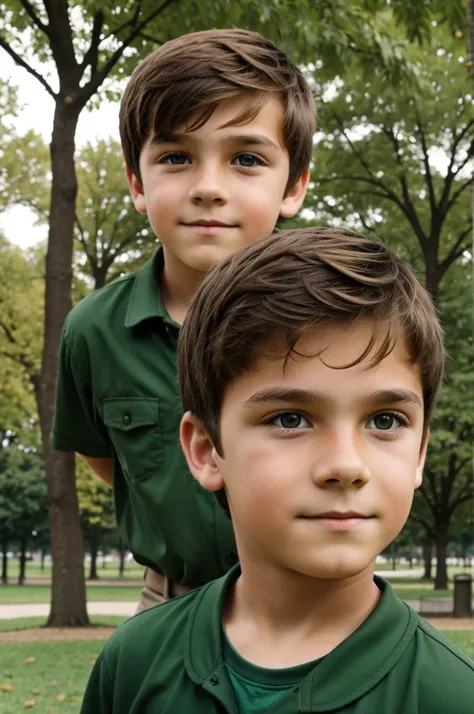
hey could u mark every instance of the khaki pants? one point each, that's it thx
(157, 589)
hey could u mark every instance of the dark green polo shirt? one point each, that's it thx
(118, 396)
(169, 660)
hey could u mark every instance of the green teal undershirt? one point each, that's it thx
(257, 688)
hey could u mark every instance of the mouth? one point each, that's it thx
(208, 224)
(337, 515)
(338, 520)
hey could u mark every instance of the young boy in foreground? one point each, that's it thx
(217, 132)
(309, 366)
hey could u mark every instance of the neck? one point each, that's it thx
(281, 619)
(178, 286)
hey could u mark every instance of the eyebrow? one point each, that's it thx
(308, 397)
(235, 139)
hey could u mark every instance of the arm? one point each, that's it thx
(77, 424)
(96, 698)
(102, 467)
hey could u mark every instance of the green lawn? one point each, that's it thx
(55, 681)
(26, 623)
(464, 639)
(417, 593)
(133, 571)
(17, 594)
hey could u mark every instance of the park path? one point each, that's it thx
(118, 607)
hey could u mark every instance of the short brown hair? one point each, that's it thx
(287, 284)
(192, 74)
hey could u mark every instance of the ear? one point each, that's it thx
(200, 453)
(421, 459)
(293, 200)
(136, 191)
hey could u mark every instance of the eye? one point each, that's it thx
(175, 159)
(290, 420)
(248, 161)
(387, 421)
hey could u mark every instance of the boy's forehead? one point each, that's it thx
(236, 117)
(325, 364)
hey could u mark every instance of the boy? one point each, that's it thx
(309, 366)
(217, 131)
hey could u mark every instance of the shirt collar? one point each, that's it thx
(145, 301)
(332, 685)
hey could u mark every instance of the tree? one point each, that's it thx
(381, 152)
(24, 159)
(87, 44)
(96, 506)
(448, 485)
(112, 237)
(23, 506)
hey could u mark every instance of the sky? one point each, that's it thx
(18, 223)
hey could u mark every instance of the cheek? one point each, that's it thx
(265, 482)
(399, 485)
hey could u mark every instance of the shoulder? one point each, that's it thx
(99, 306)
(446, 673)
(142, 638)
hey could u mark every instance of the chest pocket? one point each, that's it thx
(135, 431)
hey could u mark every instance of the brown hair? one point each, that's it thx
(285, 285)
(192, 74)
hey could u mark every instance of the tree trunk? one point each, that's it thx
(122, 560)
(100, 275)
(93, 569)
(393, 550)
(21, 574)
(428, 560)
(68, 606)
(42, 559)
(5, 562)
(441, 577)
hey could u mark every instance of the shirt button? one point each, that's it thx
(127, 418)
(230, 558)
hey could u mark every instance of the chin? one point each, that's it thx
(342, 570)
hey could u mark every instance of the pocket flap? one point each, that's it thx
(126, 414)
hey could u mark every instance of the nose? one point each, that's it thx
(209, 186)
(340, 463)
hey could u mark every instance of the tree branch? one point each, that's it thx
(450, 174)
(456, 250)
(128, 23)
(457, 193)
(426, 164)
(149, 38)
(409, 207)
(31, 12)
(100, 75)
(16, 58)
(8, 333)
(92, 54)
(423, 522)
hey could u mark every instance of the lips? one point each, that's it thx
(209, 224)
(336, 515)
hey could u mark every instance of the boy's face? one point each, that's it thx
(214, 190)
(320, 464)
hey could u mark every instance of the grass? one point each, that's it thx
(463, 639)
(17, 594)
(26, 623)
(56, 680)
(133, 571)
(417, 593)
